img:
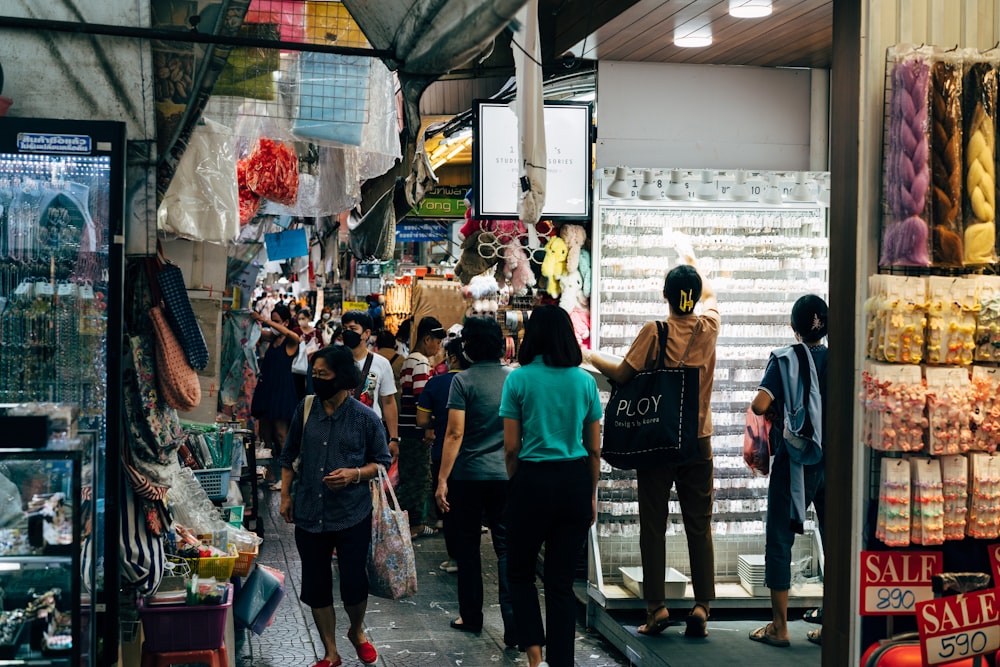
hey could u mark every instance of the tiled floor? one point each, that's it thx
(407, 633)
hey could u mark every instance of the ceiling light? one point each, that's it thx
(697, 38)
(708, 190)
(650, 190)
(618, 188)
(740, 191)
(772, 193)
(749, 9)
(800, 192)
(676, 190)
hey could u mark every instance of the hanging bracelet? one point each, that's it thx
(358, 480)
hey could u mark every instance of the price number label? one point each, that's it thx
(957, 627)
(894, 583)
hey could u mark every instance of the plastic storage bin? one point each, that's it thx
(215, 481)
(245, 561)
(220, 567)
(183, 628)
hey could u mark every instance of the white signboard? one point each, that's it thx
(496, 154)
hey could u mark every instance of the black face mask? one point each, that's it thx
(351, 338)
(325, 389)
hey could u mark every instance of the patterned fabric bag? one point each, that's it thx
(178, 382)
(181, 316)
(392, 572)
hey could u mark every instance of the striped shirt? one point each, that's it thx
(412, 378)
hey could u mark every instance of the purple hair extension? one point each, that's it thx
(908, 175)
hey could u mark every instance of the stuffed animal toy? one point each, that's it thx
(472, 263)
(482, 291)
(585, 271)
(572, 292)
(554, 264)
(580, 317)
(517, 269)
(574, 236)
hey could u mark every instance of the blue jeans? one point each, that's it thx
(779, 533)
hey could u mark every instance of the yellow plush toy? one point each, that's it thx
(554, 264)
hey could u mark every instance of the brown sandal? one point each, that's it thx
(697, 626)
(654, 625)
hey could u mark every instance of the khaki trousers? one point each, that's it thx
(695, 482)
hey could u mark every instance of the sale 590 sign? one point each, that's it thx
(892, 583)
(961, 626)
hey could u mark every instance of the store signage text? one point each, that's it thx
(893, 583)
(442, 202)
(422, 231)
(34, 142)
(961, 626)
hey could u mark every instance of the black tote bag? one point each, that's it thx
(652, 420)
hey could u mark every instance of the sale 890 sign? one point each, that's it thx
(960, 626)
(892, 583)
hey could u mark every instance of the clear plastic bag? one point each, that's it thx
(201, 202)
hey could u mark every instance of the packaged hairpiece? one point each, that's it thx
(905, 234)
(946, 159)
(979, 98)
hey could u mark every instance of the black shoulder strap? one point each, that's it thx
(806, 378)
(364, 376)
(661, 343)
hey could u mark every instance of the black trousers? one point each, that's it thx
(470, 501)
(316, 552)
(550, 504)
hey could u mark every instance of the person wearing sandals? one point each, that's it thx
(794, 483)
(691, 337)
(472, 481)
(552, 441)
(334, 447)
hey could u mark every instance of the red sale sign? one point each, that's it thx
(994, 551)
(892, 583)
(961, 626)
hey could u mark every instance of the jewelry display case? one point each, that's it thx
(759, 258)
(41, 520)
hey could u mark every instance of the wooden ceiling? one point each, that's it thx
(798, 33)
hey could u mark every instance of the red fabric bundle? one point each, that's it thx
(249, 201)
(273, 171)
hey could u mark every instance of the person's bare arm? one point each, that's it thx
(761, 402)
(511, 444)
(610, 366)
(391, 417)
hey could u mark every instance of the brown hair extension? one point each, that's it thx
(946, 146)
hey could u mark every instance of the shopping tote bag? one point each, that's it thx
(392, 572)
(652, 420)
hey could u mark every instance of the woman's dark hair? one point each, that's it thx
(453, 348)
(403, 332)
(482, 339)
(340, 360)
(682, 289)
(304, 312)
(385, 340)
(809, 315)
(283, 312)
(549, 333)
(363, 319)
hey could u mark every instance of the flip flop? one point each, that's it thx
(697, 626)
(760, 635)
(653, 624)
(815, 636)
(814, 616)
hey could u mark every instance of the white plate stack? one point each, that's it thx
(751, 571)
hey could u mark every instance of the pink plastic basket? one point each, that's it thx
(183, 628)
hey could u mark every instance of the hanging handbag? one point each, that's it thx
(652, 420)
(392, 571)
(756, 443)
(177, 381)
(180, 315)
(300, 364)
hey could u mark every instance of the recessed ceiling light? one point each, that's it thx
(698, 38)
(749, 9)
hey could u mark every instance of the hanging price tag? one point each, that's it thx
(961, 626)
(892, 583)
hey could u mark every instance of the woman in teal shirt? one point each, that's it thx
(552, 433)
